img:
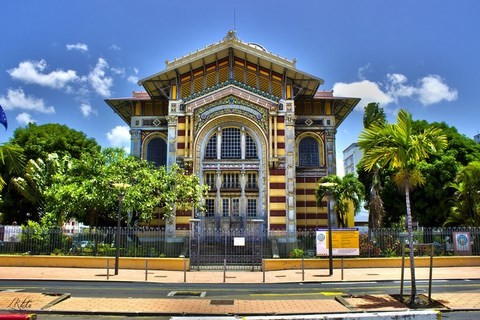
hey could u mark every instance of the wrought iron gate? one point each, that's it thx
(233, 249)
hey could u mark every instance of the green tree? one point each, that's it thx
(466, 208)
(38, 178)
(343, 191)
(87, 190)
(396, 146)
(38, 141)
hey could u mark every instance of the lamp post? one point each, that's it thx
(329, 186)
(122, 187)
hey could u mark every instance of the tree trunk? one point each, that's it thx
(413, 295)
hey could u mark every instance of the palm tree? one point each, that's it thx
(373, 113)
(344, 191)
(396, 146)
(11, 156)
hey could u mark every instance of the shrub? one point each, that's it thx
(296, 253)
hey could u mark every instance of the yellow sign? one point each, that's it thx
(345, 242)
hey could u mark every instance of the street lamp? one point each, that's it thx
(122, 187)
(328, 186)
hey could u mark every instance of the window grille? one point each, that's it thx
(209, 207)
(231, 143)
(231, 181)
(251, 207)
(308, 153)
(250, 148)
(235, 207)
(225, 207)
(251, 181)
(211, 149)
(210, 180)
(157, 151)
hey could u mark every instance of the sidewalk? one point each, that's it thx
(30, 302)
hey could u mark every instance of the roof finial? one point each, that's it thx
(231, 35)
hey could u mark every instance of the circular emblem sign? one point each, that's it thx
(321, 237)
(462, 240)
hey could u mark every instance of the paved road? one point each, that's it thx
(264, 291)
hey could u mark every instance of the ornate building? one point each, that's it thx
(249, 124)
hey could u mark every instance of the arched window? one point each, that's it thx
(231, 148)
(308, 155)
(157, 151)
(250, 148)
(211, 149)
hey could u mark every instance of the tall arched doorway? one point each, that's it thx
(230, 157)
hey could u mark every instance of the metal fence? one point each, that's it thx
(154, 242)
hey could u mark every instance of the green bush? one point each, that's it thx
(296, 253)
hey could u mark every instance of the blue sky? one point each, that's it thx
(59, 60)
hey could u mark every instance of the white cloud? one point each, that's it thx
(87, 110)
(432, 89)
(363, 70)
(114, 47)
(367, 90)
(31, 72)
(119, 71)
(25, 118)
(77, 46)
(119, 137)
(17, 99)
(397, 88)
(99, 82)
(133, 79)
(429, 90)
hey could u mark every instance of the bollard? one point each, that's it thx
(303, 269)
(146, 269)
(342, 268)
(184, 269)
(108, 268)
(224, 270)
(263, 269)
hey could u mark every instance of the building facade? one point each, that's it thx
(352, 156)
(250, 124)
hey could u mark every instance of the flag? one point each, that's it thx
(3, 118)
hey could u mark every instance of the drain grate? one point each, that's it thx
(222, 302)
(186, 294)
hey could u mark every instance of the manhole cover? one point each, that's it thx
(222, 302)
(186, 294)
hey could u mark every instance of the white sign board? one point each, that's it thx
(239, 241)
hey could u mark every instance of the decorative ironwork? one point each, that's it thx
(231, 105)
(229, 82)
